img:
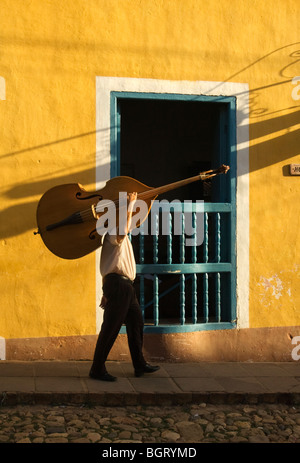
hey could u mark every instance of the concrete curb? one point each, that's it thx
(143, 398)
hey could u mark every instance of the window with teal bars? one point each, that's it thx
(181, 288)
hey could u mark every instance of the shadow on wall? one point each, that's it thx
(21, 217)
(279, 126)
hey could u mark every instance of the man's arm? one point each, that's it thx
(132, 197)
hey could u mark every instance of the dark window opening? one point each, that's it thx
(163, 141)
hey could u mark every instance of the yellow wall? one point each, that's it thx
(50, 54)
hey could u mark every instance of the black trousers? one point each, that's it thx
(121, 307)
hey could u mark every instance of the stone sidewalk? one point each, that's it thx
(59, 382)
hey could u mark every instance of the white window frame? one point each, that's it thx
(106, 85)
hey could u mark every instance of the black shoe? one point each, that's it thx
(146, 369)
(105, 377)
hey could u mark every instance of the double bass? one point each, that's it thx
(67, 214)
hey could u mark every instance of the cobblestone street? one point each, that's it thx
(196, 423)
(57, 402)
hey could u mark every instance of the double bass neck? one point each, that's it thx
(172, 186)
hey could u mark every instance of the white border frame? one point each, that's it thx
(2, 348)
(106, 85)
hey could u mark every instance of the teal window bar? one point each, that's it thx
(201, 274)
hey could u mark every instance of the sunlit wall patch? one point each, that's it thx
(2, 88)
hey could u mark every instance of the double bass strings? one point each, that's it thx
(144, 195)
(86, 213)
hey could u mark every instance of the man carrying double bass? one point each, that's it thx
(120, 304)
